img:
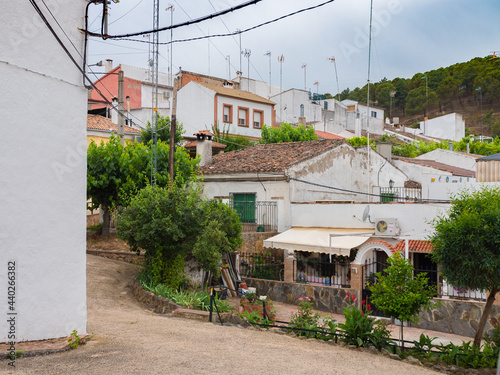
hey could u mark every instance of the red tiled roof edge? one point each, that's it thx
(415, 246)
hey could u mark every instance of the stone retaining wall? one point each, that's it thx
(458, 317)
(252, 241)
(158, 304)
(125, 256)
(324, 298)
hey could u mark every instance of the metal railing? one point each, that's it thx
(400, 194)
(261, 216)
(262, 266)
(336, 273)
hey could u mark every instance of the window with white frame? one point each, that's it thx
(257, 118)
(242, 116)
(374, 114)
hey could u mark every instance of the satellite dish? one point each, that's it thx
(366, 213)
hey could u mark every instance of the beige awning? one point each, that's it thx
(318, 239)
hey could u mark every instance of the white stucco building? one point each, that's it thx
(202, 105)
(43, 111)
(450, 126)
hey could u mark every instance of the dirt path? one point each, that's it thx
(131, 340)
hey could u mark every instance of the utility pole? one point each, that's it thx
(171, 8)
(368, 100)
(268, 53)
(228, 58)
(154, 122)
(121, 108)
(304, 66)
(172, 134)
(281, 59)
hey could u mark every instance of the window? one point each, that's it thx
(302, 110)
(244, 205)
(228, 113)
(326, 104)
(374, 114)
(257, 118)
(242, 116)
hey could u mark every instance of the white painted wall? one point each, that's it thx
(233, 127)
(290, 107)
(195, 108)
(264, 190)
(456, 159)
(260, 88)
(450, 126)
(413, 218)
(164, 96)
(43, 171)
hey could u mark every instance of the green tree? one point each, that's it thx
(232, 141)
(466, 245)
(165, 222)
(400, 294)
(287, 133)
(115, 173)
(417, 101)
(163, 131)
(448, 90)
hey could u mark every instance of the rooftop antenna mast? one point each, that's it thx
(171, 8)
(247, 55)
(304, 66)
(332, 59)
(154, 122)
(268, 53)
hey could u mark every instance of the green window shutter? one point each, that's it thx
(244, 204)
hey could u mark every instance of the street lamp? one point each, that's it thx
(391, 94)
(481, 109)
(426, 100)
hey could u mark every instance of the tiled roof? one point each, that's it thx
(381, 242)
(490, 157)
(326, 135)
(235, 93)
(274, 157)
(96, 122)
(455, 171)
(415, 246)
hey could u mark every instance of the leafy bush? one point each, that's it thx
(304, 321)
(360, 328)
(189, 299)
(287, 133)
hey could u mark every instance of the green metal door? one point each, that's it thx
(244, 204)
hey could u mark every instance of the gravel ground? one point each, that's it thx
(130, 339)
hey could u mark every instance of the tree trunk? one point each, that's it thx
(106, 220)
(484, 317)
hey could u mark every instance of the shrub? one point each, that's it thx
(304, 322)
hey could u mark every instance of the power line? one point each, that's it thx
(227, 34)
(130, 10)
(187, 23)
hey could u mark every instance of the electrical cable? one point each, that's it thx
(187, 23)
(222, 35)
(82, 70)
(130, 10)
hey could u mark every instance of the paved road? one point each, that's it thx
(131, 340)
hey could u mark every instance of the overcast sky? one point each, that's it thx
(408, 36)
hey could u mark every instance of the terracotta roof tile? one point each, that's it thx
(96, 122)
(382, 242)
(214, 144)
(235, 93)
(274, 157)
(326, 135)
(455, 171)
(415, 246)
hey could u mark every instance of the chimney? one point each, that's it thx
(114, 110)
(385, 149)
(302, 120)
(108, 65)
(204, 146)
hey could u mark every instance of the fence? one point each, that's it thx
(262, 266)
(314, 271)
(400, 194)
(259, 216)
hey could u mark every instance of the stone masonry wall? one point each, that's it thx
(324, 298)
(253, 241)
(458, 317)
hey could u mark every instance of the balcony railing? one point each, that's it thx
(400, 194)
(261, 216)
